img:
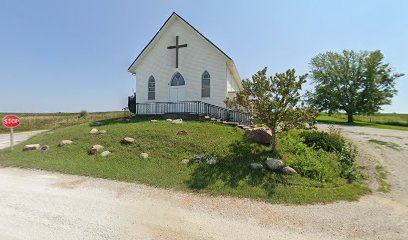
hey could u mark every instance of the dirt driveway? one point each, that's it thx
(388, 148)
(42, 205)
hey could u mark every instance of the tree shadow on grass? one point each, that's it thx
(234, 169)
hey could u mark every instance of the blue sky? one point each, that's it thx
(73, 55)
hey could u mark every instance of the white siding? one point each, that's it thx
(232, 85)
(194, 59)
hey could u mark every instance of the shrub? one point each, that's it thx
(309, 162)
(317, 164)
(328, 142)
(348, 162)
(291, 142)
(83, 114)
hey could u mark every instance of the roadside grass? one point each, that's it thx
(41, 121)
(384, 121)
(382, 173)
(231, 175)
(387, 144)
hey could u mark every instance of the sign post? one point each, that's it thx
(11, 138)
(11, 122)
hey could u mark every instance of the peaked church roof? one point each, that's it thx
(156, 37)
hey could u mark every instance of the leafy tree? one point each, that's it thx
(354, 82)
(83, 114)
(274, 101)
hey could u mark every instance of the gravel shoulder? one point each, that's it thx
(42, 205)
(18, 137)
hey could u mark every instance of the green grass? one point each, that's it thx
(41, 121)
(385, 121)
(385, 187)
(388, 144)
(230, 176)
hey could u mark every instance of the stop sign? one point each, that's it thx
(11, 121)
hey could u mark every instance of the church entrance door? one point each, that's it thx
(177, 94)
(177, 88)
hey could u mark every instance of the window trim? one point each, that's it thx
(209, 84)
(151, 79)
(173, 78)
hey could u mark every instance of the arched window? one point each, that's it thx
(177, 80)
(151, 88)
(205, 84)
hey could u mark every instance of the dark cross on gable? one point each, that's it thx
(177, 46)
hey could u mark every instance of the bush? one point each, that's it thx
(309, 162)
(328, 142)
(348, 162)
(83, 114)
(317, 165)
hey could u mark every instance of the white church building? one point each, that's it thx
(180, 70)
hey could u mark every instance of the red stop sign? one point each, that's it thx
(11, 121)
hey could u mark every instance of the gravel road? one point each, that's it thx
(42, 205)
(18, 137)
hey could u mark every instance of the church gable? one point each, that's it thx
(179, 49)
(174, 17)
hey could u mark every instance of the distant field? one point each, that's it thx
(382, 120)
(39, 121)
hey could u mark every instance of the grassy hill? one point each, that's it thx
(231, 175)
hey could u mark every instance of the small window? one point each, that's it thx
(205, 84)
(151, 92)
(177, 80)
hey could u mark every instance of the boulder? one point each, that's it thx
(182, 132)
(120, 120)
(95, 124)
(105, 153)
(177, 121)
(256, 165)
(102, 131)
(207, 117)
(211, 160)
(93, 131)
(196, 159)
(128, 140)
(144, 155)
(185, 161)
(153, 120)
(45, 148)
(96, 148)
(65, 142)
(30, 147)
(289, 170)
(274, 164)
(259, 135)
(213, 119)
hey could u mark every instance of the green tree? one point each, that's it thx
(353, 82)
(83, 114)
(274, 101)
